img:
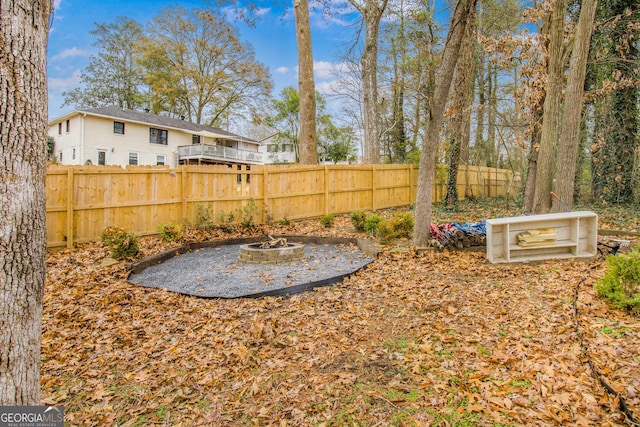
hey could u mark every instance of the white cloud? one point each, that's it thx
(282, 70)
(62, 84)
(70, 53)
(324, 69)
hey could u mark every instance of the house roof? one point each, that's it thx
(154, 119)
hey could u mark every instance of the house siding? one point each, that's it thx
(90, 133)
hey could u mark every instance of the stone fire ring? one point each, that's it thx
(253, 253)
(212, 269)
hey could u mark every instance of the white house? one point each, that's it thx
(115, 136)
(276, 152)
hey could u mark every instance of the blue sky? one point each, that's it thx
(273, 39)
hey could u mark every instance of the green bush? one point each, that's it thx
(357, 219)
(120, 242)
(285, 222)
(204, 219)
(400, 225)
(327, 220)
(248, 213)
(371, 223)
(226, 222)
(170, 232)
(621, 282)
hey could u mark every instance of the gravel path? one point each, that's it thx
(216, 272)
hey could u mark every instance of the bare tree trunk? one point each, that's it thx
(552, 102)
(570, 133)
(306, 84)
(371, 14)
(462, 100)
(532, 166)
(23, 131)
(421, 231)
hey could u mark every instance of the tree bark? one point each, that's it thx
(462, 100)
(23, 131)
(548, 143)
(426, 173)
(570, 131)
(371, 12)
(306, 85)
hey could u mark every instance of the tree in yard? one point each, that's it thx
(461, 115)
(545, 170)
(24, 27)
(371, 12)
(335, 143)
(286, 119)
(572, 112)
(306, 85)
(614, 82)
(113, 76)
(426, 173)
(196, 66)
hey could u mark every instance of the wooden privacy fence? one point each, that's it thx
(83, 200)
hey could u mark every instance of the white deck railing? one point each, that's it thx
(217, 152)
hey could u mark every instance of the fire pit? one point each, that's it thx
(273, 251)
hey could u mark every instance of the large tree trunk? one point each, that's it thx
(306, 84)
(371, 14)
(421, 231)
(552, 102)
(462, 100)
(23, 130)
(570, 133)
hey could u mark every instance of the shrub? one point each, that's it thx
(371, 223)
(327, 220)
(400, 225)
(247, 214)
(171, 232)
(204, 220)
(285, 222)
(121, 243)
(621, 281)
(226, 222)
(357, 219)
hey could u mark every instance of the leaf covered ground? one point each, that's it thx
(440, 338)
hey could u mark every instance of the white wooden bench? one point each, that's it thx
(576, 237)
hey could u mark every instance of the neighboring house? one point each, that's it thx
(115, 136)
(277, 152)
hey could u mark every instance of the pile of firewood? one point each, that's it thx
(458, 236)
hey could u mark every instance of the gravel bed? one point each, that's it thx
(216, 272)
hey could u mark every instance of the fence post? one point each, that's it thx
(70, 203)
(265, 195)
(373, 187)
(326, 190)
(183, 193)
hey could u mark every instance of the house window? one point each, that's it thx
(157, 136)
(118, 127)
(195, 139)
(133, 159)
(161, 160)
(67, 127)
(102, 157)
(60, 128)
(73, 154)
(60, 156)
